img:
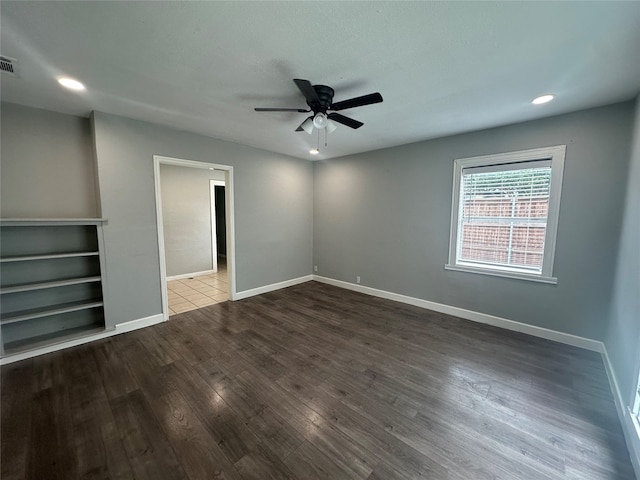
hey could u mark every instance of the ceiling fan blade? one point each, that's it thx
(300, 110)
(349, 122)
(306, 121)
(307, 90)
(357, 101)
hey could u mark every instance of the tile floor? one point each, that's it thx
(197, 292)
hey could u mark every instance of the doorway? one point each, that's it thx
(193, 207)
(218, 223)
(200, 286)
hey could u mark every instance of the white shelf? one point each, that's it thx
(49, 339)
(38, 222)
(24, 315)
(42, 285)
(26, 258)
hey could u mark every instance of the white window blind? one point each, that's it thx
(503, 215)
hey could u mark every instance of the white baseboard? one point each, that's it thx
(628, 427)
(139, 323)
(54, 347)
(272, 287)
(189, 275)
(505, 323)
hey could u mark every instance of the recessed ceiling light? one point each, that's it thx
(542, 99)
(71, 84)
(314, 151)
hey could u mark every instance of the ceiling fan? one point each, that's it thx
(320, 101)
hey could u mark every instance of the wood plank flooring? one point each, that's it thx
(312, 382)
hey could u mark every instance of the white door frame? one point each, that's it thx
(214, 236)
(230, 221)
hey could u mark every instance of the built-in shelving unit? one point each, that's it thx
(51, 281)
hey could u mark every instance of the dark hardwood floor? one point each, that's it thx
(312, 382)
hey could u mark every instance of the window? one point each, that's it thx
(505, 213)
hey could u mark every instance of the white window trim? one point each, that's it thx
(556, 154)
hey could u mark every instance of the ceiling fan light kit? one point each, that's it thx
(307, 126)
(320, 120)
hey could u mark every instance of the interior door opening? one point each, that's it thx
(218, 223)
(195, 234)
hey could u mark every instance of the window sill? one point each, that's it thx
(500, 273)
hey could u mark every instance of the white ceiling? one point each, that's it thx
(442, 67)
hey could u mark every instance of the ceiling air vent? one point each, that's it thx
(8, 65)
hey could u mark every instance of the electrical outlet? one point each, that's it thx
(315, 268)
(358, 279)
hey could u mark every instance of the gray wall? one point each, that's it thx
(382, 215)
(273, 210)
(47, 165)
(623, 336)
(385, 215)
(186, 218)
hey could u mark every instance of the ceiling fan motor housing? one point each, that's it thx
(325, 97)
